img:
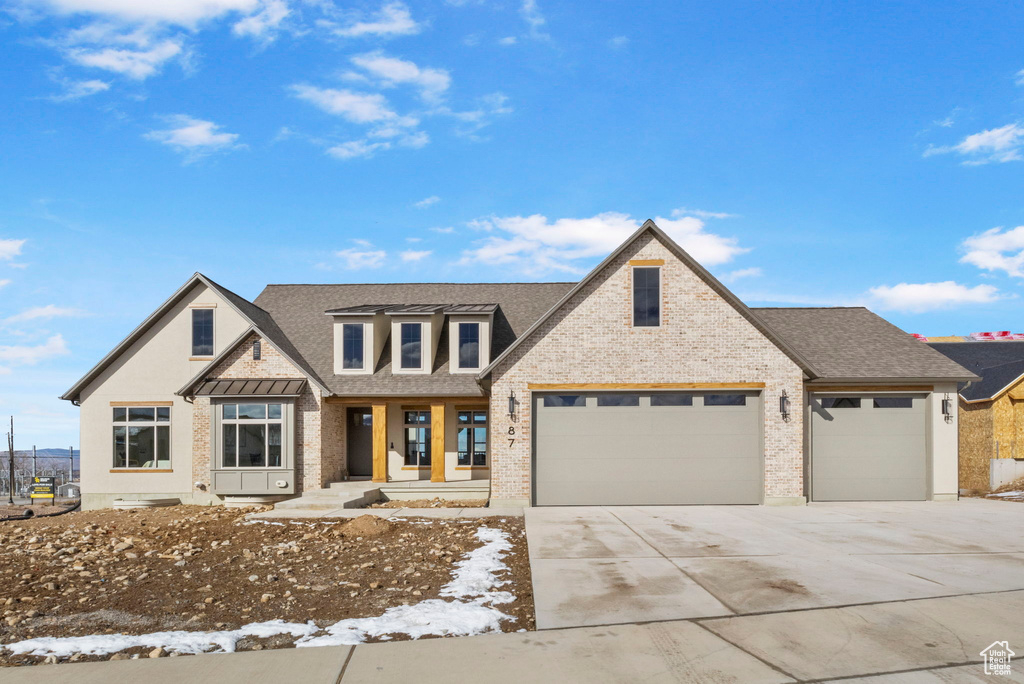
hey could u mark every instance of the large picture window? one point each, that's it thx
(472, 438)
(142, 437)
(647, 297)
(412, 345)
(251, 435)
(202, 332)
(352, 346)
(417, 438)
(469, 345)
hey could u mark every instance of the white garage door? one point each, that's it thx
(868, 448)
(647, 448)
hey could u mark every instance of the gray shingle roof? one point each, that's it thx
(298, 311)
(998, 363)
(855, 344)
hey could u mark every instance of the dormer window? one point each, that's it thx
(352, 346)
(412, 346)
(202, 332)
(646, 297)
(469, 345)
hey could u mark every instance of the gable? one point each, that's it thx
(698, 312)
(706, 334)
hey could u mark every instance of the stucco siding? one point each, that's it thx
(701, 339)
(151, 369)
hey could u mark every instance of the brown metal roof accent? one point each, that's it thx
(359, 309)
(471, 309)
(256, 387)
(415, 309)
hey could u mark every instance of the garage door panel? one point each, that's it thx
(648, 455)
(868, 453)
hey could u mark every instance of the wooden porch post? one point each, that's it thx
(437, 442)
(380, 442)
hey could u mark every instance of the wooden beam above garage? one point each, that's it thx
(869, 388)
(543, 386)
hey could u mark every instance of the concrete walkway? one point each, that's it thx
(924, 640)
(600, 566)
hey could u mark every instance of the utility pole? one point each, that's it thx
(71, 464)
(10, 451)
(33, 460)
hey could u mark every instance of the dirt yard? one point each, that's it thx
(429, 503)
(38, 509)
(208, 569)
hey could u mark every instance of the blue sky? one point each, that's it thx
(807, 153)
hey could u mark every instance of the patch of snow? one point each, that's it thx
(263, 522)
(181, 641)
(471, 612)
(1008, 494)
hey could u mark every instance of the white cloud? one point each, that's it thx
(992, 145)
(996, 250)
(1019, 78)
(733, 276)
(414, 255)
(179, 12)
(618, 42)
(508, 40)
(432, 83)
(5, 282)
(700, 213)
(921, 297)
(355, 107)
(427, 201)
(262, 24)
(355, 259)
(133, 63)
(31, 355)
(194, 137)
(531, 14)
(75, 90)
(393, 19)
(444, 231)
(536, 245)
(10, 249)
(356, 148)
(43, 313)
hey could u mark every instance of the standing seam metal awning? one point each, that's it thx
(267, 387)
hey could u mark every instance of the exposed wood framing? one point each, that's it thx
(437, 442)
(380, 442)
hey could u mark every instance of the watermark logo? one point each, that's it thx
(997, 658)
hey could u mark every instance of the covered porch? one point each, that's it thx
(407, 442)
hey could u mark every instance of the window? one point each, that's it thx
(252, 435)
(893, 402)
(618, 400)
(417, 437)
(469, 345)
(352, 346)
(551, 400)
(142, 437)
(725, 400)
(412, 345)
(472, 438)
(671, 400)
(840, 402)
(202, 332)
(646, 297)
(257, 350)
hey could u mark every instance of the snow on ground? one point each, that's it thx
(1021, 493)
(471, 612)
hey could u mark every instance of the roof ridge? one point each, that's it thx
(518, 282)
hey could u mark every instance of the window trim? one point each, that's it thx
(222, 421)
(213, 332)
(458, 345)
(632, 296)
(126, 423)
(362, 361)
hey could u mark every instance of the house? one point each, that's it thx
(991, 412)
(647, 382)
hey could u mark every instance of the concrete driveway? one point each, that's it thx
(615, 565)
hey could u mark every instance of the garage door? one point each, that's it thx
(647, 448)
(868, 448)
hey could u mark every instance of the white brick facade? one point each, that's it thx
(702, 339)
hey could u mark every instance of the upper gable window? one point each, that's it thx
(352, 346)
(646, 296)
(469, 345)
(412, 345)
(202, 332)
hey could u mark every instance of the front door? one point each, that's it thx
(360, 442)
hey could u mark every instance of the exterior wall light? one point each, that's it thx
(947, 409)
(512, 404)
(784, 406)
